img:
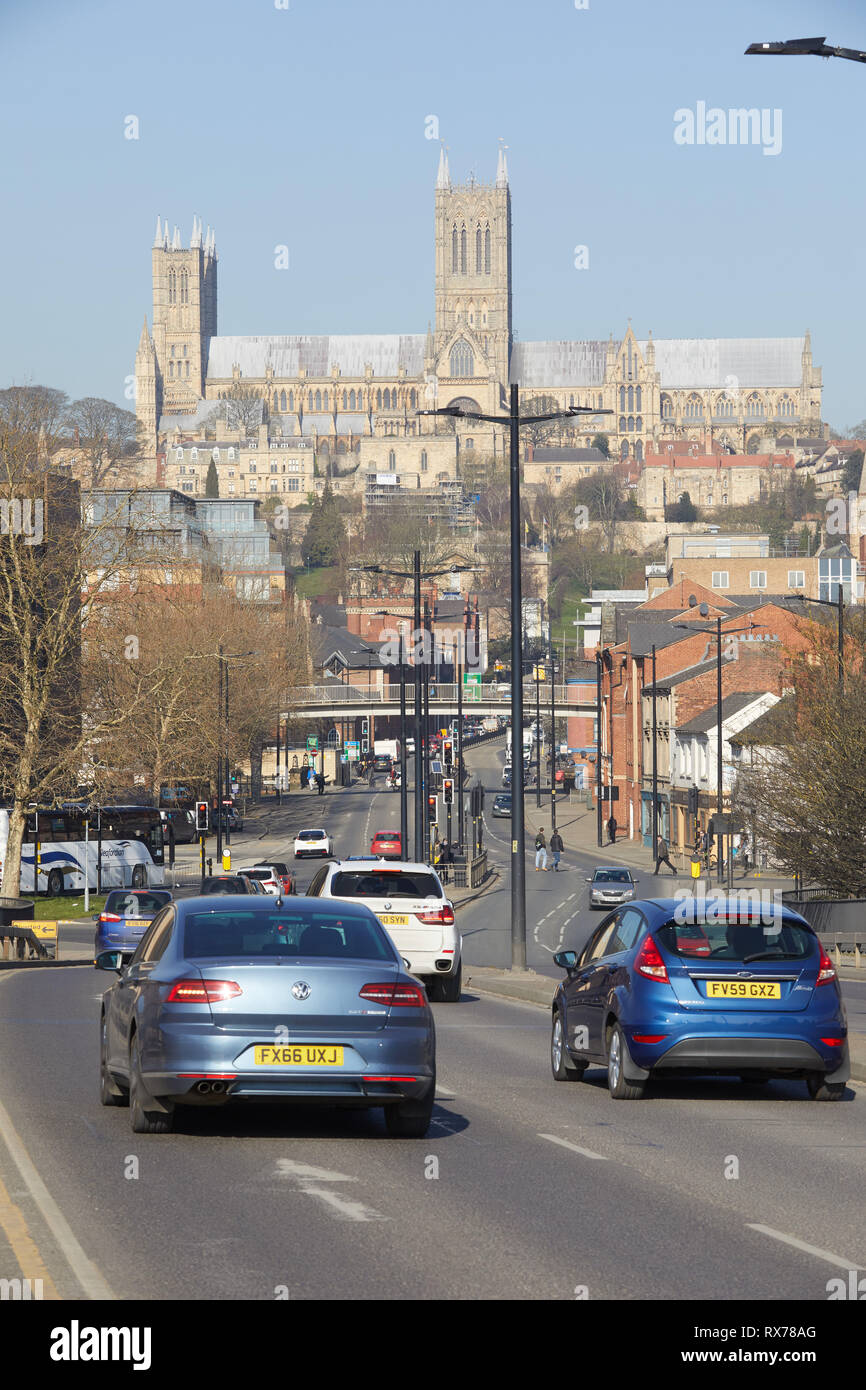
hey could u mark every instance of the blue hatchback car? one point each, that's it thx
(667, 987)
(127, 914)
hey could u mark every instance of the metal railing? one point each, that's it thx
(444, 694)
(468, 873)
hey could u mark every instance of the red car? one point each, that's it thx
(387, 844)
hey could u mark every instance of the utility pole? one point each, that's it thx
(655, 810)
(420, 808)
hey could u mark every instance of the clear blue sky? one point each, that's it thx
(305, 126)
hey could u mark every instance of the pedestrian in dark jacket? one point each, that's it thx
(556, 848)
(611, 830)
(662, 856)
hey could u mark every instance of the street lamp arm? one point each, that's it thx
(818, 48)
(456, 412)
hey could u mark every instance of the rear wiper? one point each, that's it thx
(773, 955)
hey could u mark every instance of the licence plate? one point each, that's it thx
(293, 1056)
(742, 989)
(394, 919)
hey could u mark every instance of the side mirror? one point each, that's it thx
(407, 963)
(109, 960)
(589, 880)
(566, 960)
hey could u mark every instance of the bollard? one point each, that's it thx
(857, 960)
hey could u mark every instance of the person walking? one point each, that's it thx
(556, 848)
(611, 831)
(320, 783)
(540, 852)
(662, 856)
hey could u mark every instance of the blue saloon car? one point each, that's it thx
(667, 987)
(127, 914)
(263, 999)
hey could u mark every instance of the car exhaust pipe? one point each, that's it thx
(217, 1088)
(203, 1088)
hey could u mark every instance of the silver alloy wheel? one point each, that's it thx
(556, 1044)
(614, 1060)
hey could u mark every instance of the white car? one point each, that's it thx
(267, 876)
(410, 902)
(313, 844)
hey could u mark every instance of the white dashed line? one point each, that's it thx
(575, 1148)
(826, 1255)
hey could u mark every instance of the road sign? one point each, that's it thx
(312, 744)
(353, 749)
(471, 685)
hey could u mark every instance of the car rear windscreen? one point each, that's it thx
(130, 904)
(260, 874)
(359, 883)
(731, 938)
(224, 885)
(312, 835)
(330, 935)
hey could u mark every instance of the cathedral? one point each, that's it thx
(279, 414)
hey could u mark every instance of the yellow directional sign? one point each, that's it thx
(44, 931)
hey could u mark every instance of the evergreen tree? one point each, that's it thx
(325, 537)
(212, 482)
(602, 443)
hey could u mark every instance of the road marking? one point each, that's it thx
(343, 1209)
(305, 1172)
(85, 1271)
(575, 1148)
(826, 1255)
(23, 1245)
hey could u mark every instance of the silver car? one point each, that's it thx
(259, 999)
(610, 886)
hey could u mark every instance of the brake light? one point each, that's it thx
(389, 1078)
(648, 1037)
(832, 1042)
(395, 996)
(826, 968)
(109, 917)
(444, 915)
(649, 962)
(202, 991)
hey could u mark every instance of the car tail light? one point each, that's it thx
(443, 915)
(202, 991)
(649, 962)
(395, 996)
(826, 968)
(832, 1042)
(109, 917)
(648, 1037)
(389, 1078)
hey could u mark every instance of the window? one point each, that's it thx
(392, 459)
(694, 408)
(478, 250)
(631, 398)
(462, 359)
(231, 487)
(469, 445)
(487, 251)
(757, 579)
(638, 398)
(454, 260)
(282, 400)
(294, 466)
(178, 453)
(423, 460)
(253, 485)
(231, 455)
(622, 398)
(720, 579)
(463, 263)
(193, 453)
(667, 406)
(796, 579)
(294, 485)
(318, 400)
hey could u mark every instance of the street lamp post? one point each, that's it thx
(537, 740)
(655, 809)
(598, 712)
(553, 738)
(404, 805)
(518, 858)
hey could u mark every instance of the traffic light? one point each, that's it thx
(447, 752)
(431, 808)
(201, 817)
(448, 790)
(693, 801)
(365, 735)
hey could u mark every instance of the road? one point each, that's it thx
(523, 1188)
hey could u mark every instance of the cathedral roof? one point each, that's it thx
(287, 355)
(696, 363)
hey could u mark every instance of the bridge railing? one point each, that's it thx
(310, 696)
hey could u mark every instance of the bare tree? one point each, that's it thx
(108, 437)
(243, 408)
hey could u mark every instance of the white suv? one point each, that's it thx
(410, 902)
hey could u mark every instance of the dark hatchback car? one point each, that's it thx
(227, 883)
(502, 804)
(666, 987)
(127, 914)
(246, 999)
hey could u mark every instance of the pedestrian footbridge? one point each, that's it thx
(345, 701)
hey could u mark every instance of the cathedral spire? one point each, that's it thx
(195, 239)
(157, 240)
(443, 179)
(165, 234)
(502, 167)
(175, 245)
(145, 343)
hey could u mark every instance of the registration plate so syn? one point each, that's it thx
(292, 1055)
(393, 919)
(744, 989)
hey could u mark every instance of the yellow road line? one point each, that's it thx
(24, 1247)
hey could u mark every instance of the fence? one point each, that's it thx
(840, 922)
(471, 873)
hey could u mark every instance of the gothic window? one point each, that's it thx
(184, 287)
(310, 400)
(631, 398)
(413, 398)
(392, 459)
(638, 424)
(694, 408)
(785, 407)
(423, 460)
(345, 400)
(454, 260)
(623, 449)
(571, 400)
(637, 401)
(463, 260)
(487, 251)
(462, 359)
(755, 408)
(600, 401)
(631, 424)
(171, 371)
(282, 400)
(172, 287)
(638, 451)
(386, 398)
(325, 400)
(469, 445)
(667, 408)
(351, 400)
(478, 250)
(276, 406)
(291, 400)
(379, 400)
(318, 400)
(622, 398)
(622, 424)
(187, 368)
